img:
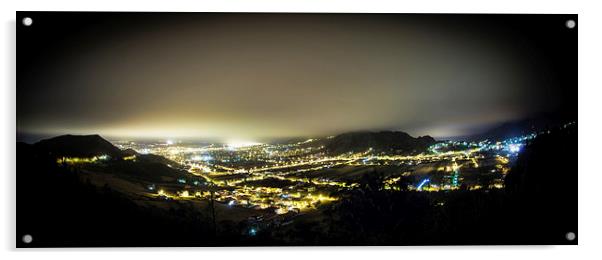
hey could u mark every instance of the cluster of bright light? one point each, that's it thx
(204, 158)
(129, 158)
(225, 168)
(235, 144)
(79, 160)
(514, 148)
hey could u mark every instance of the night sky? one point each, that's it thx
(260, 76)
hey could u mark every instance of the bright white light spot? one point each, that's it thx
(169, 142)
(514, 148)
(234, 144)
(204, 158)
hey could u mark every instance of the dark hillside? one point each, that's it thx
(390, 141)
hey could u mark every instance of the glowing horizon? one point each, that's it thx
(261, 76)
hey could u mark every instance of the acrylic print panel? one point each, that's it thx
(270, 129)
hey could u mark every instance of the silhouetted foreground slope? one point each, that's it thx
(58, 209)
(542, 187)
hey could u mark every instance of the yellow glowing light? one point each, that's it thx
(474, 161)
(78, 160)
(455, 167)
(185, 194)
(280, 211)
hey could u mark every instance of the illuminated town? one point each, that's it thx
(297, 177)
(267, 186)
(264, 184)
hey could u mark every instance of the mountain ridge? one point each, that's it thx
(381, 141)
(78, 146)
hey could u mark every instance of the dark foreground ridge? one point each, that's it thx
(62, 205)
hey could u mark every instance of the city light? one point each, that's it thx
(422, 183)
(235, 144)
(514, 148)
(235, 170)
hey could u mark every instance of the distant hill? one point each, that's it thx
(78, 146)
(389, 141)
(519, 127)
